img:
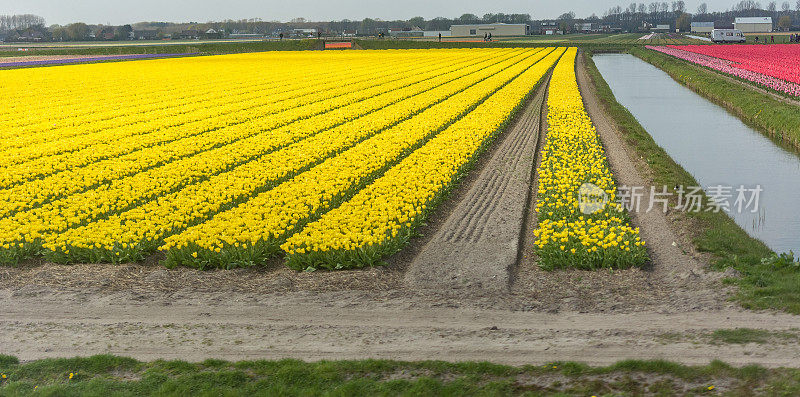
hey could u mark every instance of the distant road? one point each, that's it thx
(698, 37)
(138, 43)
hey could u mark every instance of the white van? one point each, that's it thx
(727, 36)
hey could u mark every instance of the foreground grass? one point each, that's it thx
(767, 282)
(776, 118)
(110, 375)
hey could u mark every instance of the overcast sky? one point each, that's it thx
(119, 12)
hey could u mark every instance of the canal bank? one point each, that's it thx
(764, 280)
(717, 148)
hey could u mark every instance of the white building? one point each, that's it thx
(436, 33)
(587, 28)
(661, 28)
(702, 27)
(495, 29)
(406, 32)
(753, 24)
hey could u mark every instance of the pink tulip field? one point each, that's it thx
(776, 67)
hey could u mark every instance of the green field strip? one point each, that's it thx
(236, 186)
(254, 230)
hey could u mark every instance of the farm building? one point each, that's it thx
(661, 28)
(587, 27)
(436, 33)
(495, 29)
(145, 34)
(304, 32)
(702, 27)
(406, 32)
(549, 27)
(754, 24)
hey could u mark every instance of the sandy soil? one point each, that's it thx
(148, 312)
(478, 244)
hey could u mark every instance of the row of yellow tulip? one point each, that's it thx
(63, 154)
(255, 230)
(140, 85)
(379, 219)
(35, 128)
(580, 223)
(148, 221)
(276, 130)
(151, 116)
(131, 233)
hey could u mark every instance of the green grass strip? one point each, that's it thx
(105, 375)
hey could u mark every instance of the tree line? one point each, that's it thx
(636, 15)
(633, 17)
(24, 21)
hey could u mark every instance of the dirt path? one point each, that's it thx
(670, 259)
(347, 326)
(478, 244)
(668, 310)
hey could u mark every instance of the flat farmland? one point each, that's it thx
(224, 161)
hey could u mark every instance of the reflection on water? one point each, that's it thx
(713, 145)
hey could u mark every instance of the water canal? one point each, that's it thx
(717, 148)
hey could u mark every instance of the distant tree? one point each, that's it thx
(22, 21)
(368, 26)
(702, 9)
(123, 32)
(565, 21)
(417, 21)
(797, 6)
(772, 7)
(684, 22)
(567, 16)
(642, 8)
(785, 22)
(298, 20)
(786, 7)
(77, 31)
(438, 23)
(468, 18)
(59, 33)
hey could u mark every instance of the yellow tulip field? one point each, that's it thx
(330, 159)
(570, 235)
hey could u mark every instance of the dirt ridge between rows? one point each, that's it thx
(477, 245)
